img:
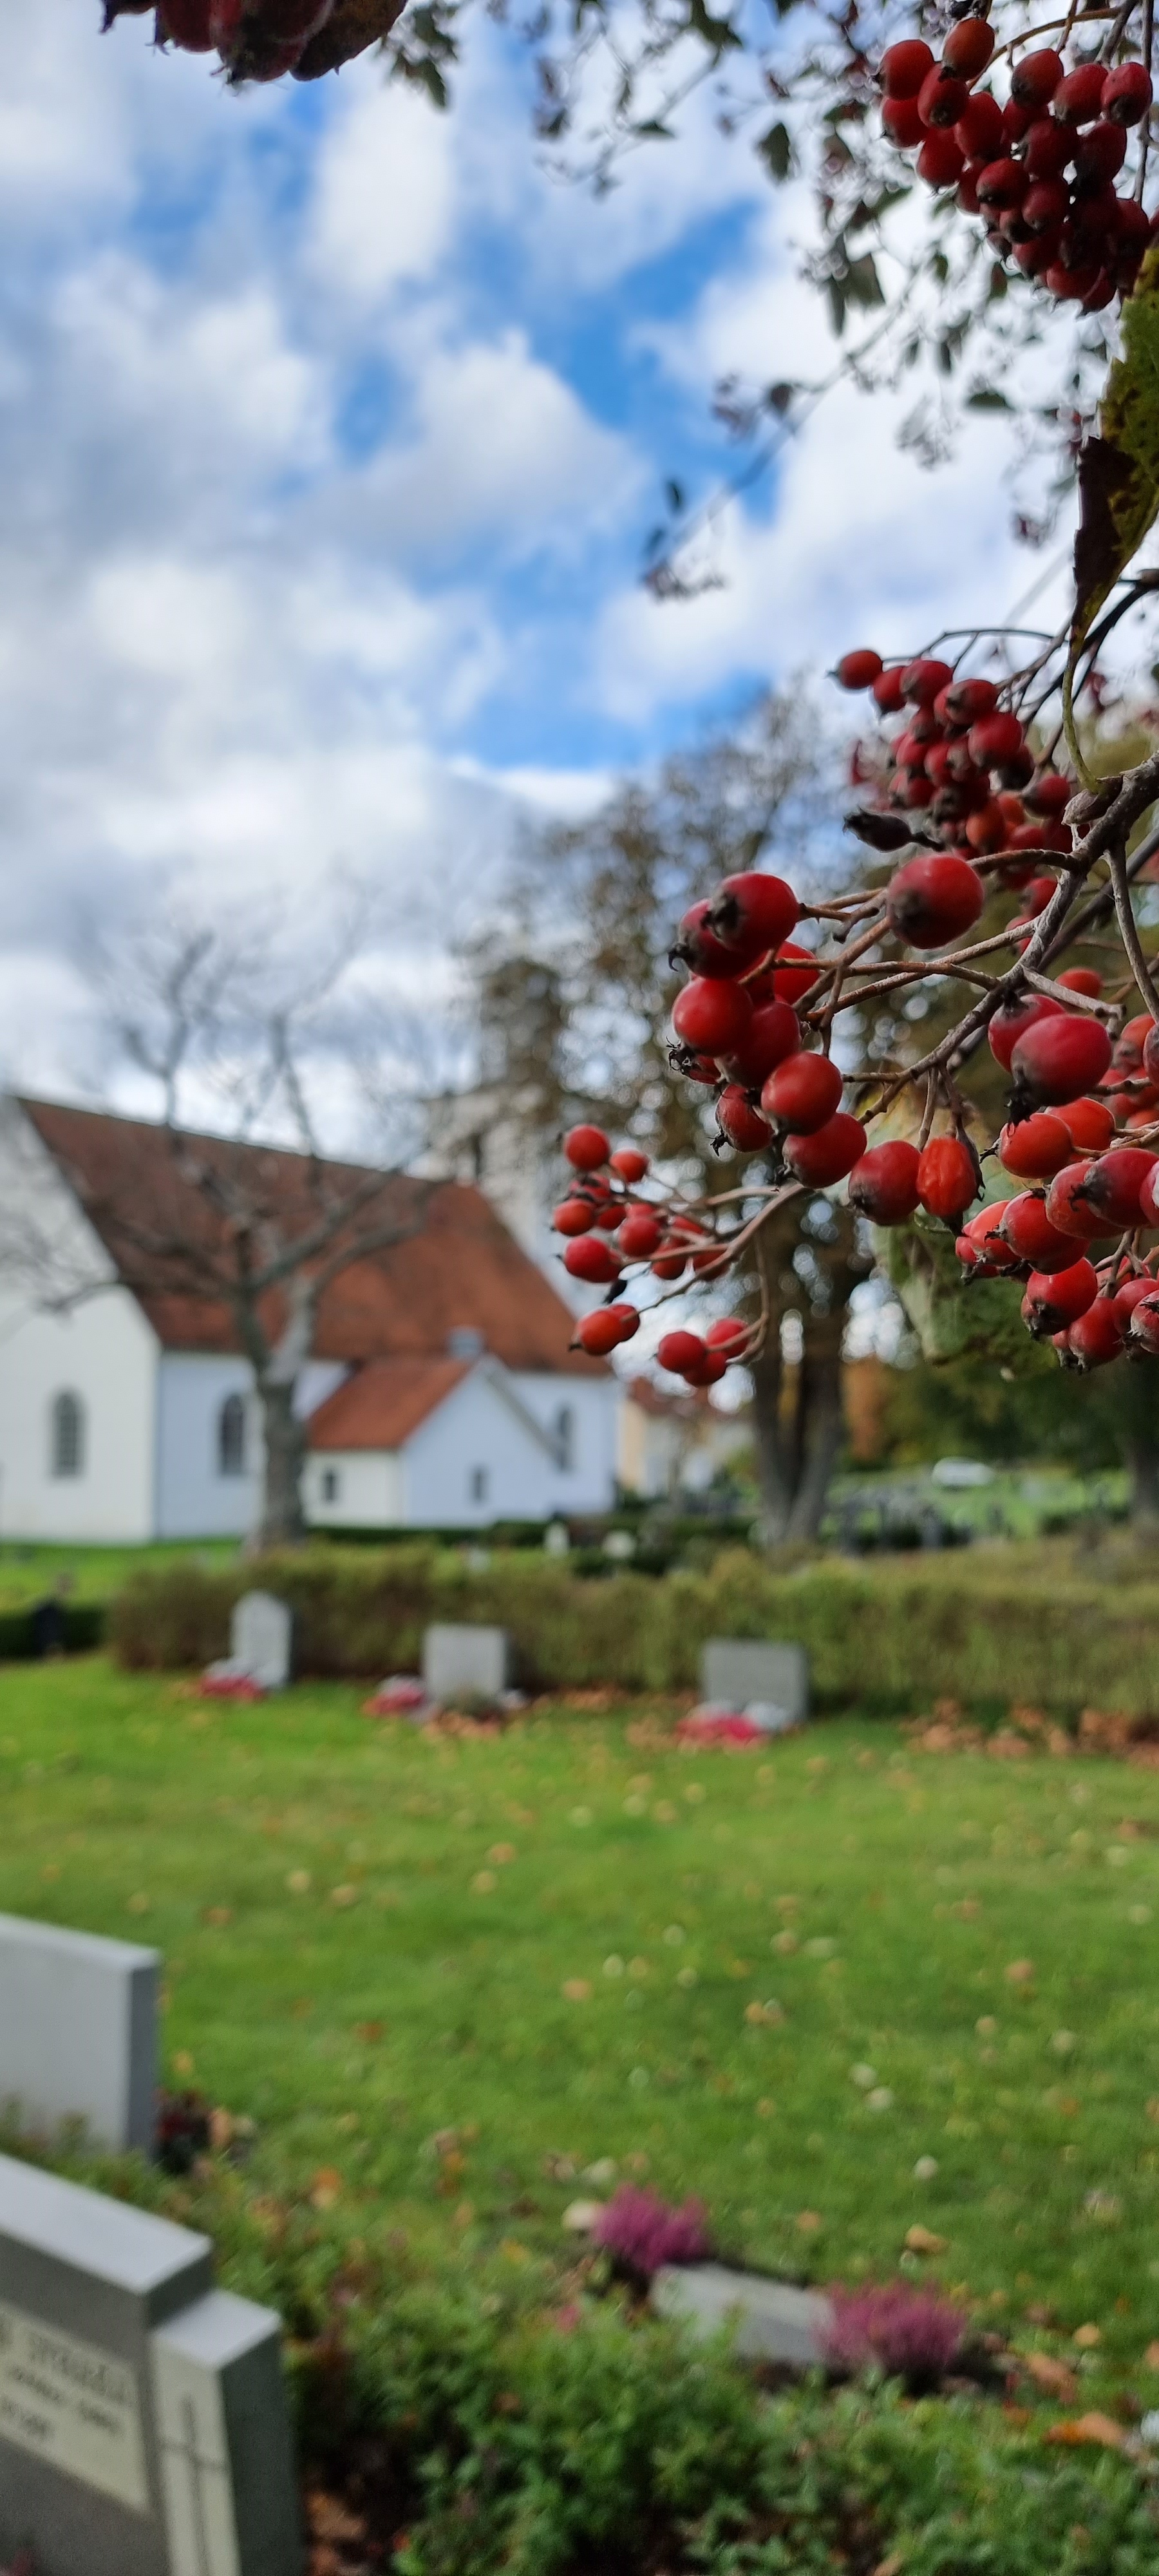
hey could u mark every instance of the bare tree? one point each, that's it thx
(229, 1218)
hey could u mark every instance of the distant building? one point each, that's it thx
(441, 1391)
(672, 1444)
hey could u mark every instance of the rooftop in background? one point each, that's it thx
(458, 1272)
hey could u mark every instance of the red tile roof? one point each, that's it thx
(380, 1405)
(459, 1269)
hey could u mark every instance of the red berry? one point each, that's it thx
(1131, 1043)
(967, 700)
(1044, 206)
(1098, 1335)
(599, 1333)
(1012, 1018)
(1147, 1200)
(640, 1235)
(710, 1017)
(1127, 93)
(679, 1352)
(1089, 1124)
(701, 951)
(627, 1317)
(941, 99)
(930, 900)
(629, 1162)
(887, 690)
(803, 1093)
(884, 1186)
(994, 738)
(1113, 1185)
(1036, 1148)
(947, 1177)
(858, 670)
(1002, 183)
(586, 1148)
(728, 1334)
(225, 23)
(593, 1259)
(1150, 1061)
(1067, 1204)
(753, 912)
(1130, 1294)
(968, 47)
(902, 120)
(1048, 149)
(574, 1216)
(1100, 153)
(1027, 1228)
(1144, 1324)
(982, 1233)
(773, 1033)
(921, 681)
(1079, 95)
(828, 1153)
(904, 67)
(941, 161)
(979, 128)
(1059, 1057)
(609, 1215)
(1035, 79)
(186, 23)
(1054, 1300)
(739, 1121)
(791, 981)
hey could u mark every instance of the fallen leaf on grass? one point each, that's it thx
(1076, 2429)
(921, 2240)
(369, 2031)
(137, 1904)
(1055, 2378)
(298, 1882)
(501, 1853)
(183, 2062)
(1151, 2356)
(345, 1895)
(808, 2221)
(218, 1915)
(326, 2188)
(1020, 1972)
(1087, 2337)
(577, 1990)
(483, 1883)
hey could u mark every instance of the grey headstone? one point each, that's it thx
(770, 2320)
(467, 1663)
(142, 2418)
(735, 1672)
(78, 2031)
(261, 1639)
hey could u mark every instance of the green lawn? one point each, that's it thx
(29, 1570)
(551, 1945)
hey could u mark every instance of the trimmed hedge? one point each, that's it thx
(84, 1627)
(894, 1642)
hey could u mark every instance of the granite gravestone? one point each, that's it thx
(143, 2423)
(768, 2320)
(465, 1663)
(78, 2031)
(261, 1638)
(743, 1674)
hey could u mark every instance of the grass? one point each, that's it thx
(29, 1570)
(552, 1945)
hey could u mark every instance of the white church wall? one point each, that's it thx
(354, 1489)
(590, 1439)
(477, 1460)
(201, 1490)
(100, 1350)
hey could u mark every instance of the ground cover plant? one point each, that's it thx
(849, 1995)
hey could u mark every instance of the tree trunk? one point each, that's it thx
(1142, 1452)
(775, 1476)
(821, 1419)
(283, 1522)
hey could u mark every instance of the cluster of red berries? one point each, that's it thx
(1041, 169)
(261, 40)
(960, 763)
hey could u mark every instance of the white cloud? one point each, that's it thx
(383, 197)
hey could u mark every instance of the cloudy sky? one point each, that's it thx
(331, 432)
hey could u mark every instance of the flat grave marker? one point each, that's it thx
(78, 2031)
(743, 1673)
(143, 2423)
(261, 1644)
(465, 1662)
(770, 2320)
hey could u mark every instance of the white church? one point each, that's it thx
(442, 1391)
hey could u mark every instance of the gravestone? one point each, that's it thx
(78, 2031)
(750, 1675)
(261, 1636)
(143, 2423)
(770, 2320)
(465, 1663)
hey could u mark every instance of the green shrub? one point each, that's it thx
(84, 1627)
(893, 1640)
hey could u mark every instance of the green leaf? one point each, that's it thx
(1118, 474)
(949, 1318)
(776, 151)
(862, 283)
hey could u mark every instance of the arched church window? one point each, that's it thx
(68, 1434)
(231, 1437)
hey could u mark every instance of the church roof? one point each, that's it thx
(380, 1405)
(456, 1270)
